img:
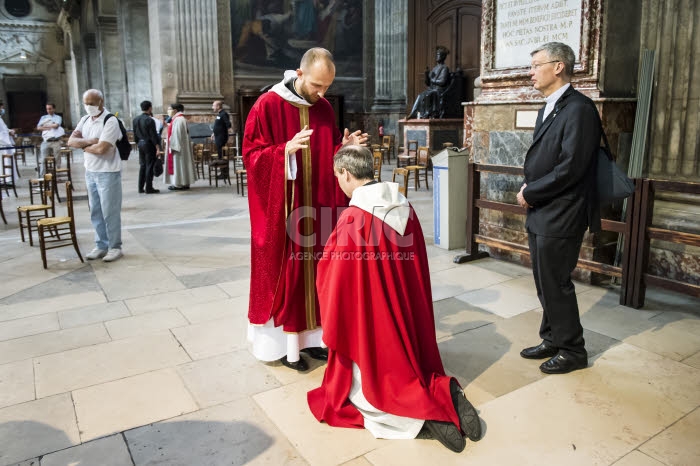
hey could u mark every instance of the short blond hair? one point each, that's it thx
(314, 55)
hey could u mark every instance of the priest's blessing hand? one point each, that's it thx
(298, 141)
(358, 137)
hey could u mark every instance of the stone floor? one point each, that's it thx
(145, 361)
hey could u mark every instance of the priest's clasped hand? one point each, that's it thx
(358, 137)
(298, 141)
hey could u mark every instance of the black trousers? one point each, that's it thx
(553, 260)
(147, 158)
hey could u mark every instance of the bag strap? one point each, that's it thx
(602, 132)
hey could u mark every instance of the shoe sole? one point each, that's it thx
(447, 434)
(93, 258)
(468, 418)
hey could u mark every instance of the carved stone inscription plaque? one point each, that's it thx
(523, 25)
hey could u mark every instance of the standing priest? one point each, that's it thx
(290, 138)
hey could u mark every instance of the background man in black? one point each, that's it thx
(559, 193)
(147, 139)
(221, 126)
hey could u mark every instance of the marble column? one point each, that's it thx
(390, 25)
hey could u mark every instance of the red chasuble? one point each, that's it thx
(290, 220)
(377, 310)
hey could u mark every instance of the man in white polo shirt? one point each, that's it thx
(103, 176)
(51, 132)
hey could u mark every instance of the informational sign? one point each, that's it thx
(524, 25)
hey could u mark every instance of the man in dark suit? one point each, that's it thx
(220, 135)
(147, 139)
(559, 193)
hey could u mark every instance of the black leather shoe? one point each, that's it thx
(316, 353)
(141, 191)
(446, 433)
(152, 191)
(173, 188)
(299, 365)
(468, 419)
(564, 363)
(541, 351)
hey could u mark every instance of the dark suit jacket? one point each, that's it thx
(145, 129)
(221, 126)
(560, 169)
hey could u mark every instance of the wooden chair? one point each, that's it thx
(403, 187)
(219, 168)
(50, 168)
(409, 158)
(420, 166)
(198, 155)
(388, 146)
(20, 154)
(2, 212)
(51, 228)
(64, 174)
(29, 214)
(377, 163)
(241, 179)
(7, 176)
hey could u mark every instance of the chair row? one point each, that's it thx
(42, 216)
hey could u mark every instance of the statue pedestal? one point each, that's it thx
(432, 133)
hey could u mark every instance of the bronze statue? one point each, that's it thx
(428, 103)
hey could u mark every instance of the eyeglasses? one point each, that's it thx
(536, 66)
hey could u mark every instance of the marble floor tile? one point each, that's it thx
(48, 305)
(214, 337)
(501, 300)
(16, 383)
(32, 429)
(131, 402)
(174, 299)
(52, 342)
(214, 310)
(467, 277)
(80, 280)
(604, 421)
(359, 461)
(92, 314)
(107, 451)
(453, 316)
(228, 274)
(506, 268)
(637, 458)
(677, 444)
(27, 326)
(686, 321)
(638, 328)
(148, 278)
(83, 367)
(145, 324)
(225, 378)
(441, 262)
(235, 433)
(288, 410)
(693, 360)
(236, 288)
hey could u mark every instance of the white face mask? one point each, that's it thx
(92, 110)
(2, 112)
(171, 112)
